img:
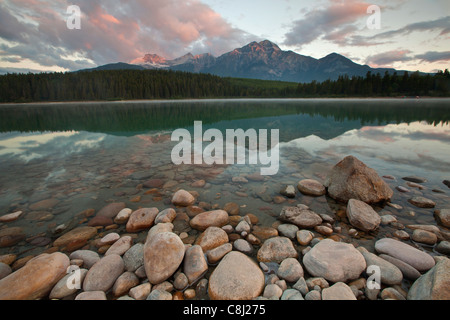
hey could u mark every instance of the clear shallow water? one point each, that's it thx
(84, 156)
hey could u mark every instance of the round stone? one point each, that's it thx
(311, 187)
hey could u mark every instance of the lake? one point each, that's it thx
(58, 160)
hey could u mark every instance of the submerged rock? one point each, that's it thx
(422, 202)
(352, 179)
(301, 217)
(311, 187)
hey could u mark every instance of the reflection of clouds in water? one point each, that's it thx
(417, 144)
(56, 144)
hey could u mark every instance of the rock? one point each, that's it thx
(62, 290)
(167, 215)
(433, 285)
(232, 208)
(276, 250)
(291, 294)
(313, 295)
(352, 179)
(389, 273)
(243, 246)
(44, 205)
(120, 246)
(402, 189)
(159, 295)
(141, 219)
(153, 183)
(406, 253)
(301, 286)
(243, 226)
(304, 237)
(124, 283)
(324, 230)
(109, 239)
(288, 191)
(407, 271)
(5, 270)
(134, 257)
(391, 294)
(195, 264)
(183, 198)
(264, 233)
(387, 219)
(422, 202)
(334, 261)
(446, 182)
(290, 270)
(159, 228)
(36, 279)
(338, 291)
(123, 216)
(214, 255)
(211, 238)
(11, 216)
(443, 247)
(181, 281)
(111, 210)
(311, 187)
(91, 295)
(75, 238)
(102, 275)
(423, 236)
(403, 235)
(11, 236)
(362, 216)
(272, 291)
(89, 257)
(100, 221)
(163, 254)
(237, 277)
(415, 179)
(140, 292)
(443, 217)
(204, 220)
(239, 179)
(301, 217)
(288, 230)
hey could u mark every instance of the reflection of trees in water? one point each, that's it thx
(130, 118)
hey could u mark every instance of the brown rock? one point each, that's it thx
(232, 208)
(352, 179)
(183, 198)
(111, 210)
(301, 217)
(237, 277)
(362, 216)
(311, 187)
(11, 236)
(35, 279)
(433, 285)
(422, 202)
(211, 238)
(102, 275)
(195, 264)
(153, 183)
(75, 238)
(276, 250)
(100, 221)
(215, 218)
(124, 283)
(44, 204)
(141, 219)
(264, 233)
(163, 254)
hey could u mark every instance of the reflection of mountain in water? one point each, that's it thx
(294, 118)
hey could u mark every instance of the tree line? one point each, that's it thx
(160, 84)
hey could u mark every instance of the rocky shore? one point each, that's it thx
(193, 250)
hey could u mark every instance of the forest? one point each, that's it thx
(113, 85)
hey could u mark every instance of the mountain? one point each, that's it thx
(262, 60)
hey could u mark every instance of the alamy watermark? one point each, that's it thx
(374, 21)
(235, 143)
(74, 18)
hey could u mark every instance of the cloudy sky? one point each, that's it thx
(412, 35)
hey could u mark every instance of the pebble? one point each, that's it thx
(211, 238)
(204, 220)
(311, 187)
(110, 238)
(391, 293)
(407, 270)
(243, 246)
(111, 210)
(443, 217)
(301, 286)
(291, 294)
(304, 237)
(443, 247)
(232, 208)
(389, 273)
(163, 254)
(167, 215)
(338, 291)
(288, 191)
(237, 277)
(406, 253)
(183, 198)
(124, 283)
(62, 290)
(422, 202)
(11, 216)
(141, 219)
(276, 250)
(446, 182)
(415, 179)
(403, 235)
(425, 237)
(195, 264)
(313, 295)
(5, 270)
(387, 219)
(272, 291)
(120, 246)
(100, 221)
(123, 216)
(362, 215)
(75, 238)
(324, 230)
(91, 296)
(89, 257)
(102, 275)
(159, 295)
(402, 189)
(290, 270)
(140, 292)
(214, 255)
(134, 257)
(243, 226)
(288, 230)
(301, 217)
(181, 281)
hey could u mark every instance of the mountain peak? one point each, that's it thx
(269, 44)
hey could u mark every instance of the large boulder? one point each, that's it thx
(352, 179)
(36, 278)
(433, 285)
(362, 216)
(237, 277)
(334, 261)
